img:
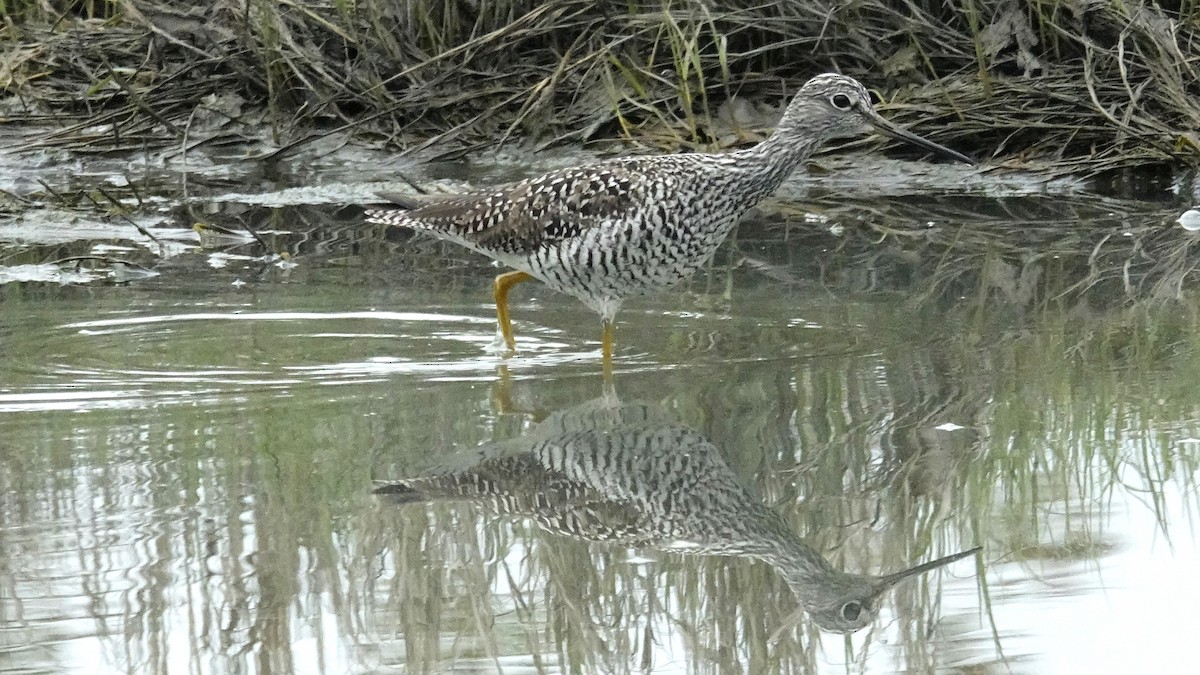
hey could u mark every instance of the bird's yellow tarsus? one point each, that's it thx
(500, 288)
(606, 349)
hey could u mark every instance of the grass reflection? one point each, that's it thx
(226, 528)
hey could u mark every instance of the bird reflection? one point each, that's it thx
(626, 474)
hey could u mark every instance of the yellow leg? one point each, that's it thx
(500, 289)
(606, 349)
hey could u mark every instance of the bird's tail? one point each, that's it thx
(466, 486)
(400, 493)
(396, 210)
(399, 200)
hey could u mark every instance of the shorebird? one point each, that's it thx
(614, 229)
(627, 474)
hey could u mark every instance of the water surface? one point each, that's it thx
(188, 448)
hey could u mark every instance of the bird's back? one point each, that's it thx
(656, 485)
(599, 232)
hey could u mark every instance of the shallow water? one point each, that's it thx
(188, 446)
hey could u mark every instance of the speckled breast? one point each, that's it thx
(652, 249)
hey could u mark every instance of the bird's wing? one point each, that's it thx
(521, 216)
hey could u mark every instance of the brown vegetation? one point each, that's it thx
(1086, 86)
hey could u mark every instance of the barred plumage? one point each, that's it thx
(628, 474)
(624, 227)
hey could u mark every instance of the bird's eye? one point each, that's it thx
(851, 610)
(841, 101)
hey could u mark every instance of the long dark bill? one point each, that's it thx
(888, 129)
(893, 579)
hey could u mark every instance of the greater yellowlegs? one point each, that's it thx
(611, 230)
(626, 474)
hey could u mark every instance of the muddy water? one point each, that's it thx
(189, 439)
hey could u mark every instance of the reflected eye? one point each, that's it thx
(841, 101)
(851, 611)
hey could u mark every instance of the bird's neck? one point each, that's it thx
(785, 550)
(765, 166)
(806, 572)
(762, 534)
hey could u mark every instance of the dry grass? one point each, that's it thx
(1089, 87)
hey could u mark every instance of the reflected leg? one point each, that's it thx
(500, 289)
(502, 397)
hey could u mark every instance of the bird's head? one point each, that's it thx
(844, 603)
(835, 106)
